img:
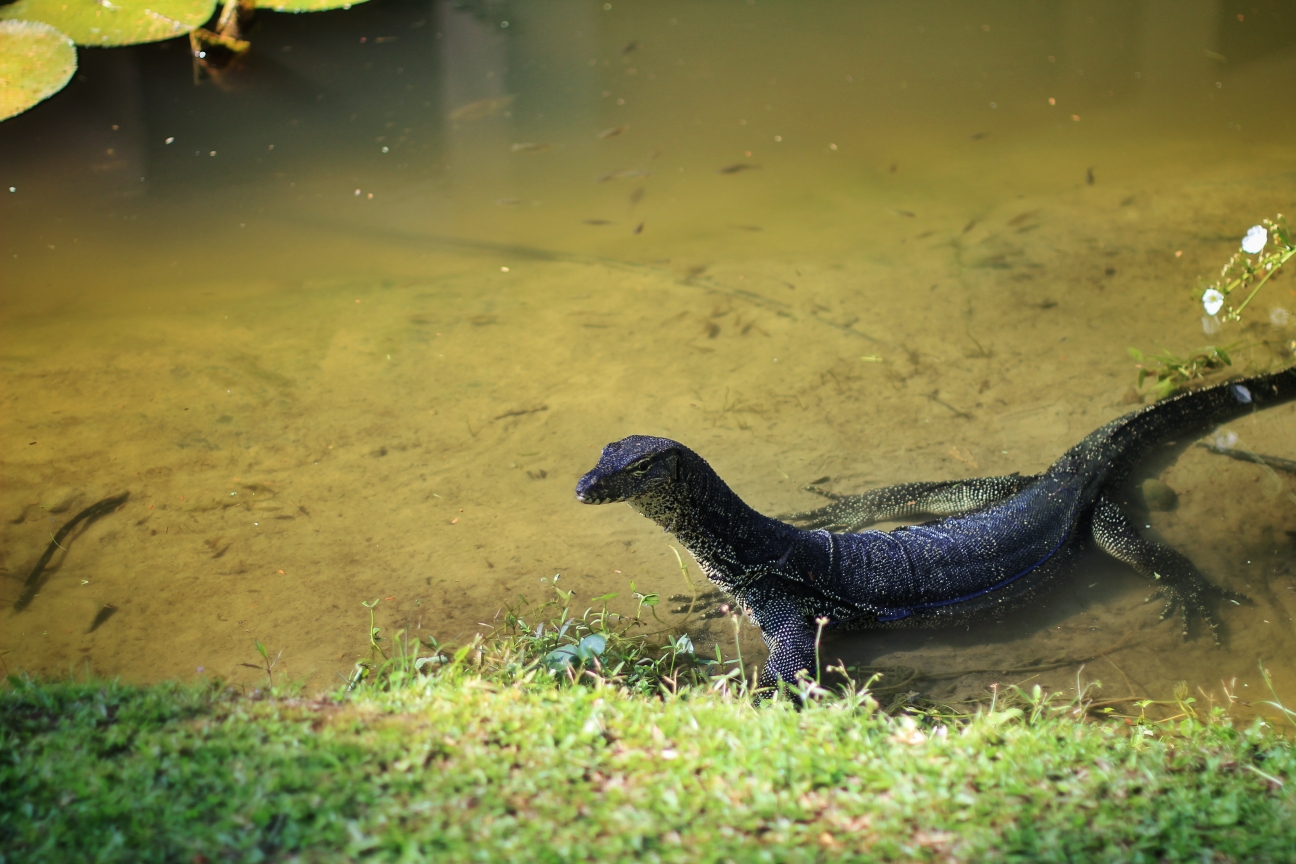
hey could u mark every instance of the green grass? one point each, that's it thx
(502, 751)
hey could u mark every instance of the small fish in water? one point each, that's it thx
(1022, 217)
(636, 196)
(638, 229)
(596, 222)
(895, 166)
(530, 147)
(630, 46)
(105, 613)
(977, 136)
(736, 167)
(613, 132)
(908, 214)
(623, 174)
(481, 108)
(968, 227)
(1089, 178)
(748, 227)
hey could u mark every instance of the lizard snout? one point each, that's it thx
(587, 491)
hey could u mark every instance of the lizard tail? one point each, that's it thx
(1119, 444)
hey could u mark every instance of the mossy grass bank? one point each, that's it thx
(542, 744)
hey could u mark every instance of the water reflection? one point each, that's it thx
(347, 340)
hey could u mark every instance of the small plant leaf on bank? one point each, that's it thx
(36, 61)
(587, 649)
(306, 5)
(123, 22)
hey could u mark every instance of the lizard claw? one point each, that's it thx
(1188, 601)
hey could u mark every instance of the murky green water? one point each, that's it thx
(350, 324)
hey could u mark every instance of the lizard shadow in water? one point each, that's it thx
(1095, 583)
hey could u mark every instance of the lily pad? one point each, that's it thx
(36, 61)
(306, 5)
(114, 22)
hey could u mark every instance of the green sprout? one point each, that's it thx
(1173, 373)
(266, 665)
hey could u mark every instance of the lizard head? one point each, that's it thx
(631, 468)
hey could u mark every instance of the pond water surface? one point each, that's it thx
(350, 321)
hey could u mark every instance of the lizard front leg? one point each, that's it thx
(1177, 580)
(939, 498)
(787, 630)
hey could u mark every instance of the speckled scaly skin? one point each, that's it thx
(1001, 541)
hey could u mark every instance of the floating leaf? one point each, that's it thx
(36, 61)
(306, 5)
(114, 22)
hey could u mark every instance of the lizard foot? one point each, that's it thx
(1177, 581)
(710, 604)
(1187, 597)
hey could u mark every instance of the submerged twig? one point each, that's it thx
(1275, 462)
(89, 514)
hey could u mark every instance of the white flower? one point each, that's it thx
(1255, 240)
(1225, 440)
(1212, 300)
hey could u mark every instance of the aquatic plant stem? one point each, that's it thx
(821, 622)
(742, 672)
(1286, 256)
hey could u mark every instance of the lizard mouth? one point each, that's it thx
(586, 492)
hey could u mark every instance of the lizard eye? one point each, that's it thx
(640, 468)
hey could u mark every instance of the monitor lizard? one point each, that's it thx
(999, 542)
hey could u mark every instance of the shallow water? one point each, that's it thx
(342, 339)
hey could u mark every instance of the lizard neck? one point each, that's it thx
(727, 538)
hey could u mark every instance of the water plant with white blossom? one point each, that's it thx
(1251, 267)
(1250, 264)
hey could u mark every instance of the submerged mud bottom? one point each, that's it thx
(284, 479)
(351, 335)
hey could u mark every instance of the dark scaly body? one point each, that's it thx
(1001, 541)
